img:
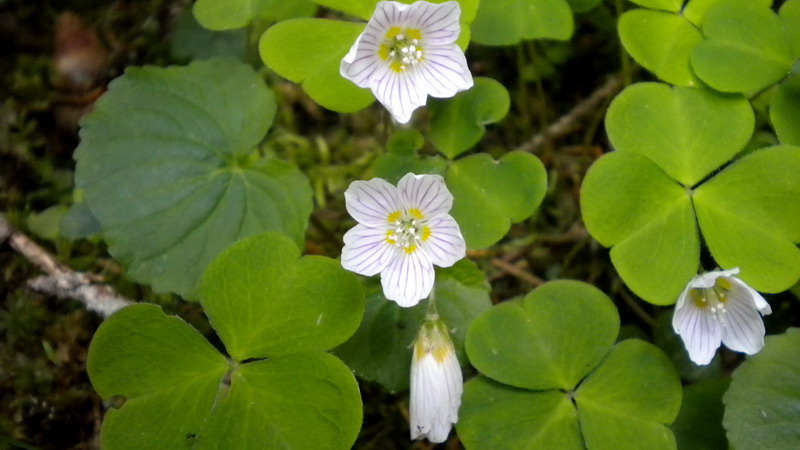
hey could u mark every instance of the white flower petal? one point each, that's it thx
(445, 245)
(699, 330)
(398, 92)
(438, 23)
(708, 279)
(408, 278)
(444, 71)
(743, 330)
(362, 62)
(760, 302)
(366, 250)
(426, 193)
(371, 202)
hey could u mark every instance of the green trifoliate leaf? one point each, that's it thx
(264, 300)
(761, 404)
(746, 48)
(401, 157)
(699, 423)
(528, 344)
(459, 123)
(309, 51)
(630, 397)
(688, 132)
(662, 43)
(750, 217)
(506, 22)
(630, 203)
(695, 10)
(490, 195)
(784, 110)
(168, 168)
(228, 14)
(381, 348)
(665, 5)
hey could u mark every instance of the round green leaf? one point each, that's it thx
(784, 110)
(688, 132)
(699, 423)
(549, 340)
(309, 51)
(365, 8)
(305, 400)
(494, 415)
(666, 5)
(750, 217)
(265, 300)
(506, 22)
(401, 157)
(631, 397)
(166, 371)
(662, 43)
(627, 201)
(459, 123)
(167, 166)
(380, 350)
(745, 47)
(228, 14)
(695, 10)
(761, 404)
(790, 19)
(489, 195)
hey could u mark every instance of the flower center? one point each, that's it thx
(409, 230)
(714, 298)
(401, 47)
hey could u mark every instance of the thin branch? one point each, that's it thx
(517, 271)
(60, 280)
(566, 123)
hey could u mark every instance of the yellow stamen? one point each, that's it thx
(410, 249)
(426, 233)
(413, 33)
(416, 213)
(393, 217)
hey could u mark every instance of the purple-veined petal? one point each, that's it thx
(408, 278)
(743, 329)
(371, 202)
(445, 245)
(444, 71)
(699, 330)
(427, 193)
(398, 92)
(708, 279)
(366, 250)
(438, 23)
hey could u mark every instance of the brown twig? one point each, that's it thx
(517, 271)
(566, 123)
(60, 280)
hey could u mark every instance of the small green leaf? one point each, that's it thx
(305, 400)
(506, 22)
(79, 222)
(380, 350)
(688, 132)
(699, 423)
(761, 404)
(665, 5)
(530, 344)
(47, 224)
(695, 10)
(745, 47)
(490, 195)
(784, 110)
(166, 371)
(494, 415)
(401, 157)
(630, 203)
(309, 51)
(631, 397)
(750, 217)
(662, 43)
(459, 123)
(790, 19)
(263, 299)
(229, 14)
(168, 169)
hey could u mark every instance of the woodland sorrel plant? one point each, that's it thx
(697, 196)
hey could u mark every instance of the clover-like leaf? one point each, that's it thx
(401, 157)
(761, 404)
(687, 132)
(229, 14)
(543, 351)
(695, 10)
(380, 350)
(647, 217)
(167, 167)
(506, 22)
(309, 51)
(746, 48)
(556, 347)
(459, 123)
(265, 300)
(490, 195)
(784, 110)
(750, 217)
(661, 42)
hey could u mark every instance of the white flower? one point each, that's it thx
(408, 52)
(436, 382)
(402, 232)
(717, 306)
